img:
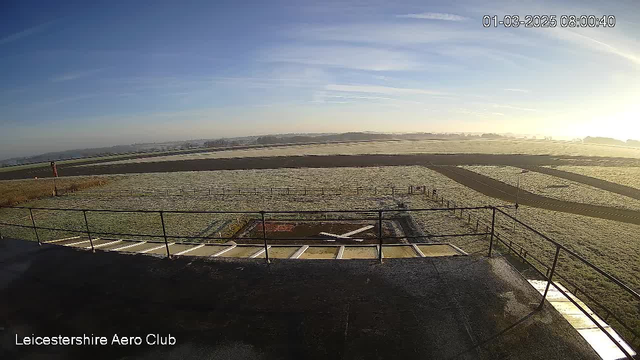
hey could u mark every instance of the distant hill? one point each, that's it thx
(239, 141)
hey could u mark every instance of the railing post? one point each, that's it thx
(380, 235)
(86, 224)
(553, 269)
(493, 226)
(264, 237)
(35, 230)
(164, 234)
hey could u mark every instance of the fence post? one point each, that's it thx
(35, 230)
(553, 269)
(164, 234)
(493, 225)
(264, 237)
(380, 235)
(86, 224)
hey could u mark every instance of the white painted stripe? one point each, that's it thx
(299, 252)
(58, 240)
(80, 242)
(358, 231)
(457, 248)
(417, 249)
(334, 235)
(260, 252)
(155, 248)
(224, 251)
(186, 251)
(340, 252)
(105, 244)
(128, 246)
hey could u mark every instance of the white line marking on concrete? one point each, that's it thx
(79, 242)
(186, 251)
(299, 252)
(417, 249)
(259, 252)
(224, 251)
(155, 248)
(105, 244)
(128, 246)
(334, 235)
(457, 248)
(340, 252)
(358, 231)
(58, 240)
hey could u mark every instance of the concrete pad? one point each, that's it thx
(80, 243)
(438, 250)
(320, 252)
(242, 251)
(162, 249)
(176, 248)
(63, 239)
(70, 241)
(399, 251)
(604, 346)
(207, 250)
(598, 340)
(118, 245)
(97, 242)
(280, 252)
(360, 252)
(142, 247)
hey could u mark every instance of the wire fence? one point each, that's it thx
(261, 191)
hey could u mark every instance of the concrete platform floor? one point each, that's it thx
(419, 308)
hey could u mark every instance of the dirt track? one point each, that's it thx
(319, 162)
(502, 191)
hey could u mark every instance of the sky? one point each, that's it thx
(101, 73)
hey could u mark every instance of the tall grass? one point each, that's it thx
(14, 192)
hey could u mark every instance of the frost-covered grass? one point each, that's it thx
(556, 188)
(610, 245)
(629, 176)
(412, 147)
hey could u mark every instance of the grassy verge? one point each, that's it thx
(16, 192)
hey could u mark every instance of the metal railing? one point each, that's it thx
(378, 217)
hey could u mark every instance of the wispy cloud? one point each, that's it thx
(374, 89)
(28, 32)
(517, 90)
(75, 75)
(434, 16)
(593, 44)
(350, 57)
(396, 34)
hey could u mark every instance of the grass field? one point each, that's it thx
(629, 176)
(557, 188)
(608, 244)
(413, 147)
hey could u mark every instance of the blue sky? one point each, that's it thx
(90, 74)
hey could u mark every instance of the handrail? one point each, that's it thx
(597, 269)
